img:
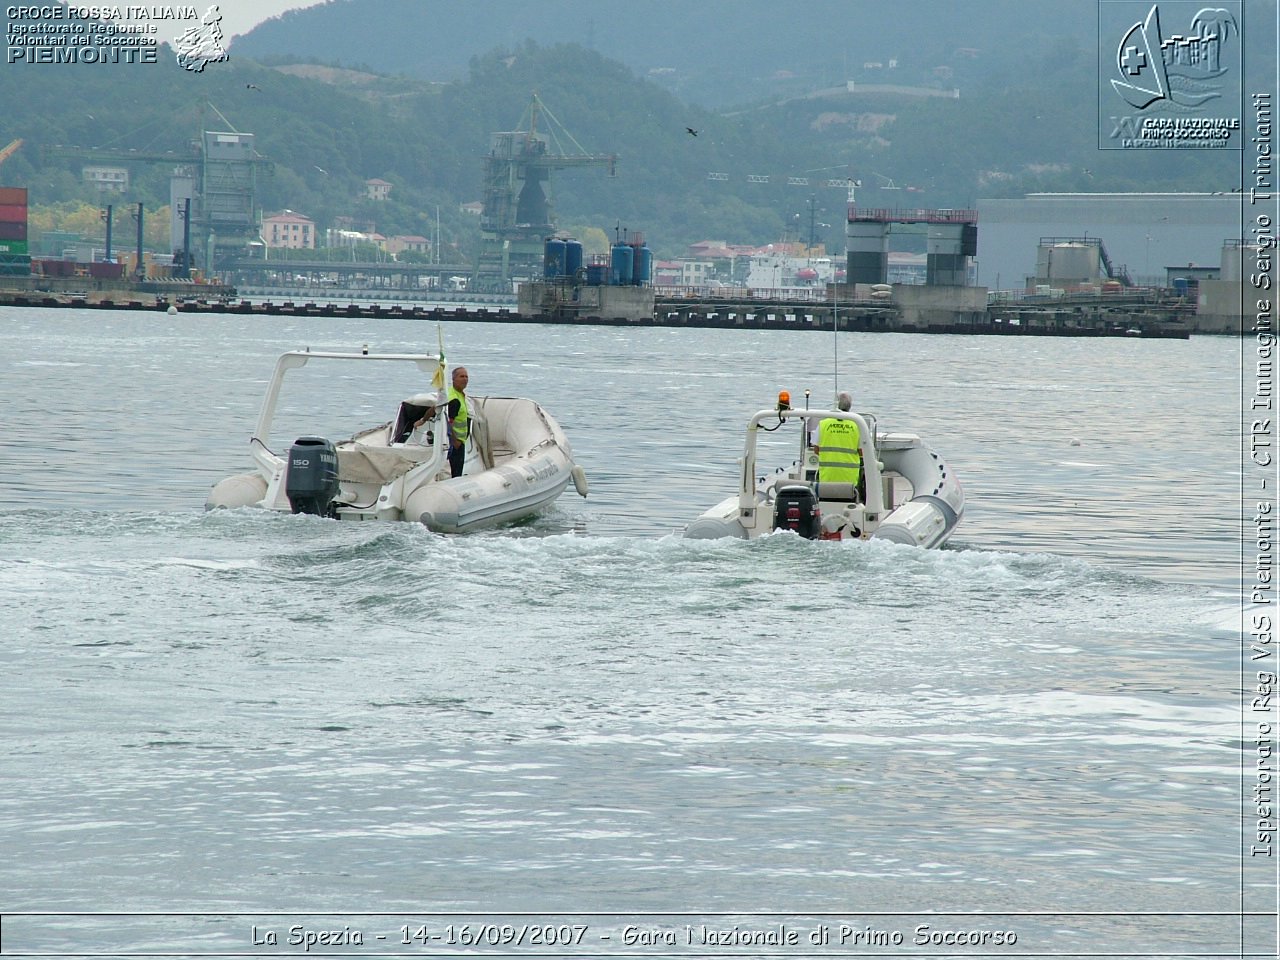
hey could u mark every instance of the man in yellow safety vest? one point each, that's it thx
(839, 454)
(459, 422)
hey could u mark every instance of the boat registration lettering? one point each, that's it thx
(541, 470)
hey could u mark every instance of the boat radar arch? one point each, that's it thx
(906, 493)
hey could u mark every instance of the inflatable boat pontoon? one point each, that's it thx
(518, 461)
(907, 493)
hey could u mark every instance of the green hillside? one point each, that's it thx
(740, 179)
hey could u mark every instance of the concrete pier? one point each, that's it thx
(911, 309)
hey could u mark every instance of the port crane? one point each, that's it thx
(219, 172)
(518, 213)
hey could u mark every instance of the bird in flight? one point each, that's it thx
(692, 132)
(253, 86)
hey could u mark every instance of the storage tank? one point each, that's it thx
(620, 262)
(1237, 260)
(1180, 286)
(1069, 262)
(572, 257)
(553, 258)
(642, 265)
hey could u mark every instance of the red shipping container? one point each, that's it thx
(13, 213)
(13, 195)
(57, 268)
(13, 231)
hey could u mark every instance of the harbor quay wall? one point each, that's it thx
(1069, 317)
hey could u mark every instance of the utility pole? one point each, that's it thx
(106, 215)
(185, 214)
(138, 272)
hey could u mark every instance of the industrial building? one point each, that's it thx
(213, 193)
(1141, 233)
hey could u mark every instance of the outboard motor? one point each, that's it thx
(796, 508)
(311, 481)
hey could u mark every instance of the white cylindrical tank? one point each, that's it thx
(1069, 263)
(1237, 260)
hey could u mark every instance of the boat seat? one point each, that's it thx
(841, 492)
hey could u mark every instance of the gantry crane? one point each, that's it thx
(518, 212)
(219, 174)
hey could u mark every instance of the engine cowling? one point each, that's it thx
(796, 509)
(311, 477)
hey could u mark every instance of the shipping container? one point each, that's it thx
(13, 231)
(106, 271)
(57, 268)
(14, 195)
(13, 212)
(14, 247)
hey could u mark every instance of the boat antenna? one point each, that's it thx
(804, 428)
(835, 336)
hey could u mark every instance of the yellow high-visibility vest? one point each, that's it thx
(839, 458)
(460, 424)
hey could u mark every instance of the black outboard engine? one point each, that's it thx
(796, 508)
(311, 480)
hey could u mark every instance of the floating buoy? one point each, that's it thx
(1075, 442)
(172, 310)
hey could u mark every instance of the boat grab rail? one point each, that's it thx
(295, 360)
(298, 359)
(866, 444)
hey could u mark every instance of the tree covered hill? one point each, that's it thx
(715, 53)
(742, 178)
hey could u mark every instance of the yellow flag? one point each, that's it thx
(437, 378)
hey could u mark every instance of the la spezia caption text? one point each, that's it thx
(579, 936)
(1260, 482)
(56, 34)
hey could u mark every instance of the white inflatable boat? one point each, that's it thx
(518, 460)
(906, 494)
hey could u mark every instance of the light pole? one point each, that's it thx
(106, 215)
(138, 272)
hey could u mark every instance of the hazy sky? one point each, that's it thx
(241, 16)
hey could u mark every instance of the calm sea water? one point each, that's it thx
(589, 719)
